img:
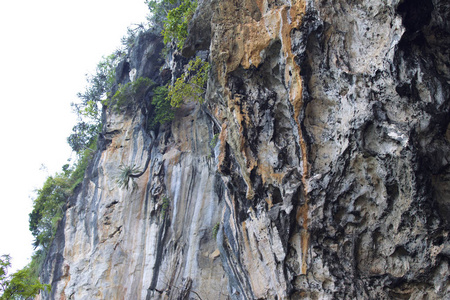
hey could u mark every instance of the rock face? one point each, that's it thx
(330, 178)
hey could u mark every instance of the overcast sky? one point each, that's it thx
(46, 48)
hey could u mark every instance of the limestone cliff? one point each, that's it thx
(330, 178)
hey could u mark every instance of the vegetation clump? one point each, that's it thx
(215, 230)
(191, 85)
(165, 206)
(126, 176)
(131, 92)
(176, 24)
(99, 87)
(163, 110)
(214, 140)
(48, 206)
(23, 284)
(175, 16)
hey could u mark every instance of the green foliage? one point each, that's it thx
(50, 200)
(24, 284)
(83, 135)
(48, 208)
(213, 142)
(5, 263)
(84, 157)
(35, 265)
(165, 206)
(176, 23)
(131, 92)
(99, 85)
(191, 85)
(159, 10)
(125, 176)
(215, 230)
(132, 33)
(88, 109)
(163, 111)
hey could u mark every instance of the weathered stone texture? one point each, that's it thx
(330, 178)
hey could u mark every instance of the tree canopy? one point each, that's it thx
(20, 285)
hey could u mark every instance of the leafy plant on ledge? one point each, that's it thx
(191, 85)
(132, 92)
(164, 112)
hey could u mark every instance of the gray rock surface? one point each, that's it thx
(330, 178)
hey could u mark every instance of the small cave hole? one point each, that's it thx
(276, 196)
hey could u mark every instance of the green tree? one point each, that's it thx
(5, 264)
(83, 134)
(21, 285)
(48, 209)
(88, 110)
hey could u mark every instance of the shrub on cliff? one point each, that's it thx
(131, 92)
(158, 11)
(175, 16)
(48, 206)
(134, 92)
(176, 25)
(191, 85)
(163, 110)
(88, 109)
(83, 135)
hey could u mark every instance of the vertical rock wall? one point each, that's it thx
(334, 133)
(152, 240)
(330, 178)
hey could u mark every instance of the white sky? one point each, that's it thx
(46, 48)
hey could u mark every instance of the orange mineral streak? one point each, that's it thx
(244, 45)
(302, 219)
(292, 75)
(222, 154)
(66, 277)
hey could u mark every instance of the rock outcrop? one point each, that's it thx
(330, 178)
